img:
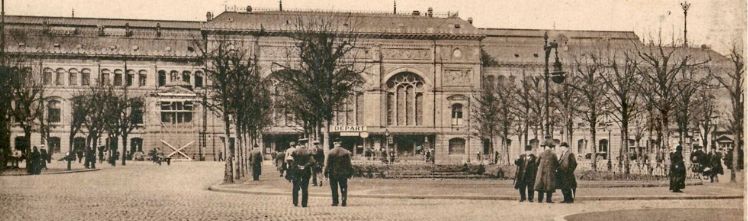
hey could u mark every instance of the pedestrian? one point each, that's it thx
(677, 170)
(715, 164)
(698, 161)
(524, 178)
(36, 158)
(287, 160)
(546, 174)
(79, 154)
(44, 155)
(255, 157)
(566, 180)
(273, 154)
(301, 165)
(279, 158)
(496, 157)
(339, 169)
(428, 155)
(220, 156)
(319, 159)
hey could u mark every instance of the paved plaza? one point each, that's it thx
(144, 191)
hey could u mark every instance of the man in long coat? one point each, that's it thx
(300, 169)
(524, 178)
(715, 162)
(566, 180)
(677, 170)
(546, 176)
(339, 168)
(255, 157)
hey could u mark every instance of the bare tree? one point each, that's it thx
(484, 112)
(96, 97)
(623, 98)
(589, 69)
(125, 114)
(732, 81)
(327, 70)
(27, 106)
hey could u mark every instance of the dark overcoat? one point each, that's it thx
(545, 179)
(255, 156)
(526, 169)
(565, 173)
(339, 163)
(677, 171)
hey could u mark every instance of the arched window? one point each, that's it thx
(85, 77)
(105, 77)
(199, 82)
(142, 77)
(186, 77)
(60, 77)
(130, 77)
(137, 113)
(117, 77)
(279, 113)
(47, 78)
(161, 78)
(405, 99)
(174, 76)
(54, 111)
(457, 146)
(73, 77)
(456, 114)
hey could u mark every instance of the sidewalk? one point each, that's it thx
(56, 167)
(483, 189)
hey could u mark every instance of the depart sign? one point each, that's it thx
(343, 128)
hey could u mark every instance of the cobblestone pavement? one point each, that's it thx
(143, 191)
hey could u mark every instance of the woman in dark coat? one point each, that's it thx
(677, 170)
(546, 174)
(715, 163)
(36, 161)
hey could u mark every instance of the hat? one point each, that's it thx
(564, 144)
(336, 140)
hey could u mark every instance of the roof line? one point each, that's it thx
(535, 29)
(100, 18)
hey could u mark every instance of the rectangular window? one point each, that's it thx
(360, 109)
(117, 79)
(176, 112)
(198, 81)
(105, 78)
(130, 78)
(53, 115)
(60, 79)
(73, 78)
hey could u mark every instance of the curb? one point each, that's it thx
(217, 188)
(55, 173)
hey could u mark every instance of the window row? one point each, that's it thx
(196, 79)
(54, 113)
(118, 77)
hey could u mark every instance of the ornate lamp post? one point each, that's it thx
(558, 76)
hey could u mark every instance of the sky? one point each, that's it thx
(716, 23)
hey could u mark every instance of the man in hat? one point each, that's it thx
(301, 168)
(255, 157)
(319, 158)
(524, 179)
(677, 170)
(566, 180)
(545, 179)
(287, 159)
(339, 168)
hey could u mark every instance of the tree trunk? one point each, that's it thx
(735, 151)
(27, 150)
(326, 138)
(593, 132)
(124, 149)
(228, 176)
(626, 160)
(238, 145)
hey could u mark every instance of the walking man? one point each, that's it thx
(524, 179)
(255, 157)
(566, 180)
(319, 158)
(715, 162)
(301, 171)
(339, 169)
(545, 179)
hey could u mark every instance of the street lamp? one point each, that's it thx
(558, 76)
(386, 144)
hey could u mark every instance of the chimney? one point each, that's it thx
(416, 13)
(430, 12)
(209, 16)
(470, 20)
(249, 9)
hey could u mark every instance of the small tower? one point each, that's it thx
(209, 16)
(280, 5)
(394, 7)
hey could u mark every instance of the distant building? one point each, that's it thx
(423, 73)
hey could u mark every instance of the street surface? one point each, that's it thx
(144, 191)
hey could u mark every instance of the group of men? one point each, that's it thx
(299, 164)
(545, 173)
(710, 165)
